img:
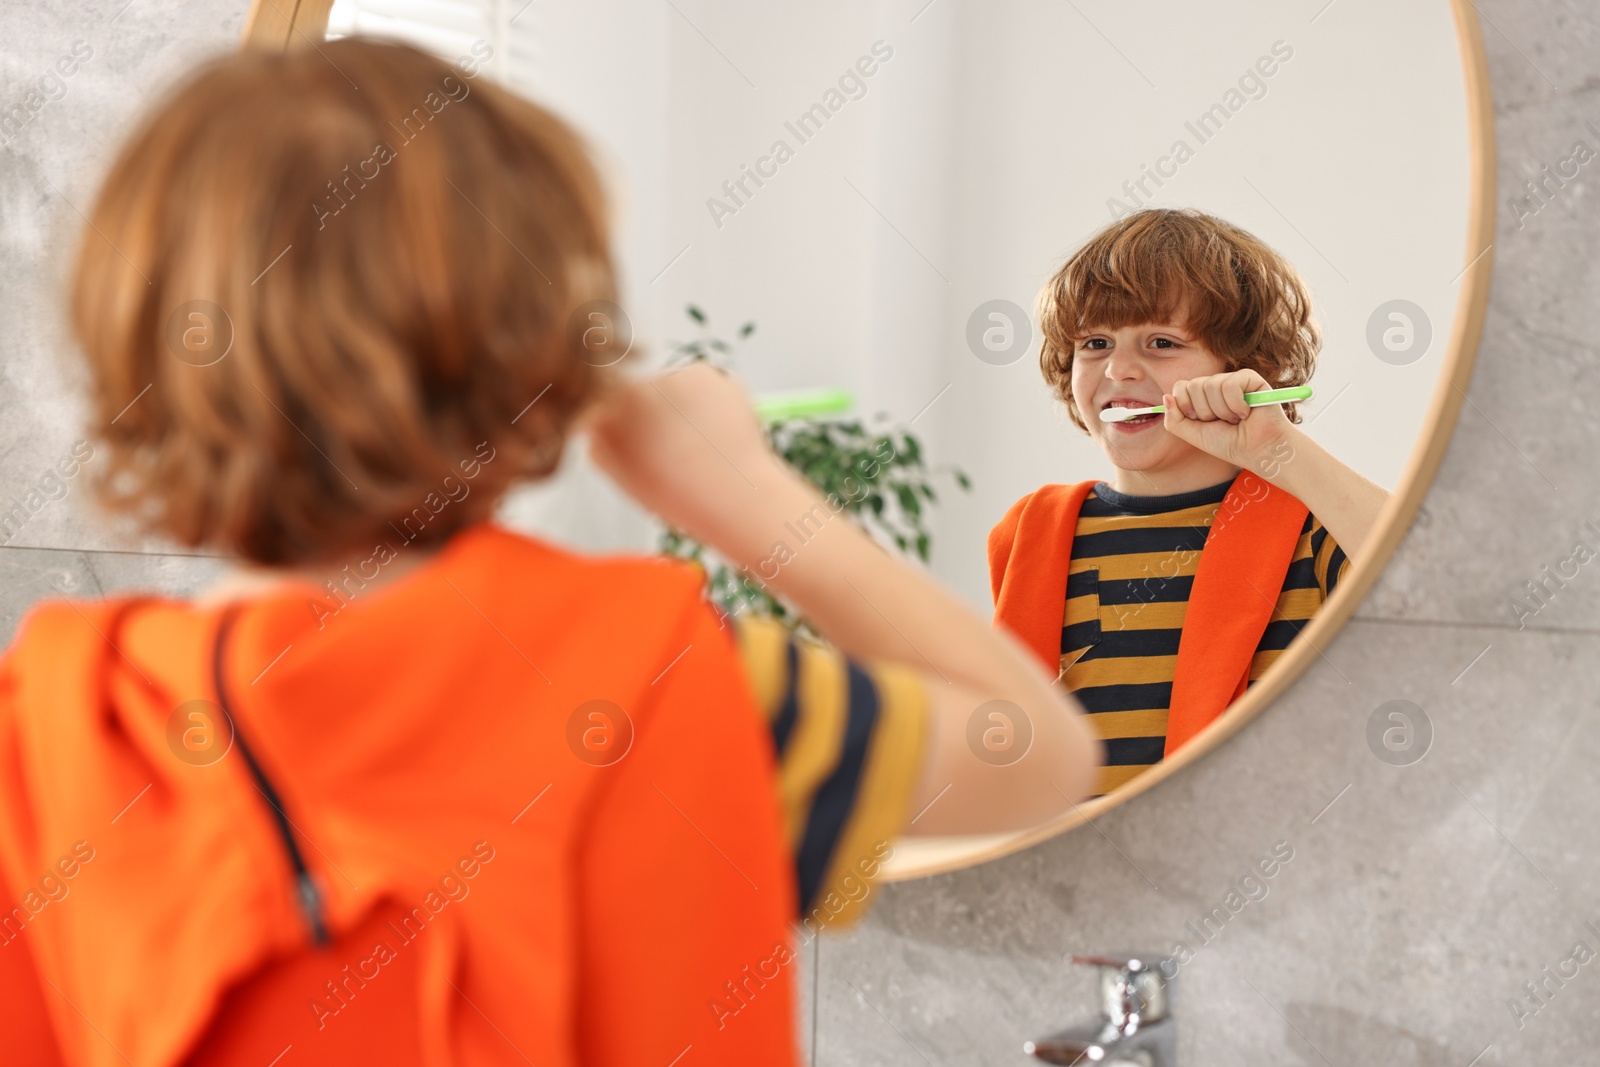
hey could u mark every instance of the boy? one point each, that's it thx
(415, 788)
(1160, 596)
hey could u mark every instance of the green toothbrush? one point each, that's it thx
(1255, 400)
(802, 405)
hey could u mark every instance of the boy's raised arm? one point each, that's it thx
(1345, 502)
(688, 446)
(1211, 413)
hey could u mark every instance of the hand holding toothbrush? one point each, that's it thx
(1213, 414)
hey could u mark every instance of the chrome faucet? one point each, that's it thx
(1135, 1027)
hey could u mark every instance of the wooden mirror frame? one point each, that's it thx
(286, 23)
(275, 24)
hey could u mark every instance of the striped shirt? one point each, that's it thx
(848, 738)
(1133, 564)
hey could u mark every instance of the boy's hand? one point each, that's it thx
(1211, 414)
(677, 443)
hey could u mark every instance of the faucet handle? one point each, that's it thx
(1134, 986)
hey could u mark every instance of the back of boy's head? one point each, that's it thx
(316, 281)
(1235, 294)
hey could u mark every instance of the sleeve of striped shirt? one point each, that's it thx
(1330, 561)
(849, 738)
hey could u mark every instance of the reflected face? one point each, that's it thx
(1133, 367)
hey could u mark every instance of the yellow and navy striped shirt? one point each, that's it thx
(848, 736)
(1133, 564)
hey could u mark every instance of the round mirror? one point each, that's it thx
(885, 190)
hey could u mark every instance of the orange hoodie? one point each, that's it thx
(511, 900)
(1250, 544)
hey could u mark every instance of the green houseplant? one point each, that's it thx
(878, 475)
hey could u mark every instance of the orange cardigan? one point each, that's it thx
(1241, 571)
(490, 896)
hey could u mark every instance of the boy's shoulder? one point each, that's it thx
(607, 584)
(55, 624)
(63, 648)
(531, 550)
(1054, 495)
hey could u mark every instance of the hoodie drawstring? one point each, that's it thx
(308, 896)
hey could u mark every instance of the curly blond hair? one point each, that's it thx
(365, 360)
